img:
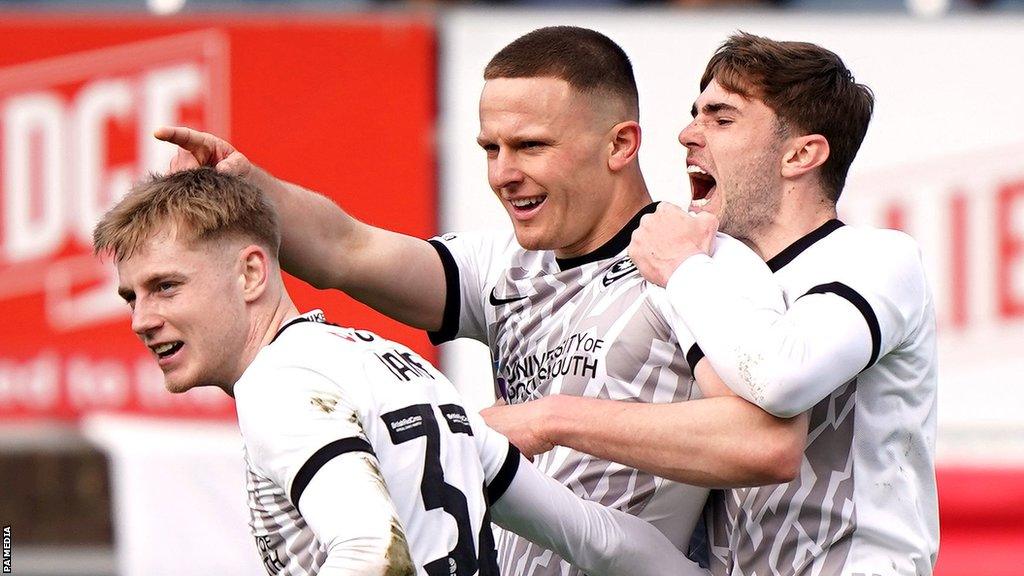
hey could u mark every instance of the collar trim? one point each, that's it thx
(311, 316)
(796, 248)
(617, 244)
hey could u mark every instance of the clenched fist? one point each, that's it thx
(667, 237)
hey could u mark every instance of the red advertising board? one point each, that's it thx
(344, 106)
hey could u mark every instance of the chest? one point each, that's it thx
(591, 331)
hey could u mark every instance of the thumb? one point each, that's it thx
(235, 164)
(707, 220)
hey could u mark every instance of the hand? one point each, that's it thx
(522, 424)
(197, 149)
(667, 237)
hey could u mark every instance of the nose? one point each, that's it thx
(504, 171)
(691, 136)
(145, 318)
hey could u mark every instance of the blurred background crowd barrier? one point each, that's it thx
(374, 103)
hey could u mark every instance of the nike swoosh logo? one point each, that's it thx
(495, 301)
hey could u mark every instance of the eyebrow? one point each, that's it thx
(714, 108)
(128, 294)
(515, 140)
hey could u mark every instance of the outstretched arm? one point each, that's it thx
(398, 275)
(599, 540)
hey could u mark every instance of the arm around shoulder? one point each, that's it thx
(397, 275)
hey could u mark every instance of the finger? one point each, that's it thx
(636, 240)
(668, 208)
(183, 160)
(235, 164)
(194, 141)
(707, 219)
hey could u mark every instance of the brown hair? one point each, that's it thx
(203, 203)
(807, 86)
(587, 60)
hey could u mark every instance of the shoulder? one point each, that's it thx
(876, 242)
(740, 261)
(308, 361)
(725, 248)
(476, 242)
(875, 253)
(314, 344)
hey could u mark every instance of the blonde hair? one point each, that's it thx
(202, 204)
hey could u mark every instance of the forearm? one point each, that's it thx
(784, 362)
(312, 227)
(395, 274)
(599, 540)
(348, 507)
(714, 442)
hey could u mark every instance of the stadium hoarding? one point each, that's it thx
(941, 155)
(344, 105)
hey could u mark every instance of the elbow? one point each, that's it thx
(773, 465)
(786, 458)
(320, 281)
(781, 454)
(778, 454)
(780, 406)
(782, 395)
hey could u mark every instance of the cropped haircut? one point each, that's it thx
(588, 61)
(807, 86)
(202, 204)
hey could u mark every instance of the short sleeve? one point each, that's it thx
(888, 289)
(293, 421)
(499, 458)
(472, 262)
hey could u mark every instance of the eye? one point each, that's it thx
(533, 144)
(166, 286)
(723, 121)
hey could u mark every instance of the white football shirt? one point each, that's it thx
(331, 414)
(856, 347)
(589, 326)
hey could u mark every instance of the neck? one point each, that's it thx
(265, 321)
(798, 215)
(630, 196)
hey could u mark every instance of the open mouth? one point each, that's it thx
(167, 349)
(526, 204)
(702, 185)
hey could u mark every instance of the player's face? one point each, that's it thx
(734, 160)
(187, 308)
(547, 162)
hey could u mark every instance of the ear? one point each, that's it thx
(255, 271)
(804, 154)
(625, 143)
